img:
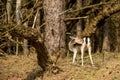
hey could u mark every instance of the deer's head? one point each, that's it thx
(77, 40)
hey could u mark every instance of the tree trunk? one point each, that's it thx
(79, 23)
(55, 27)
(25, 43)
(112, 36)
(9, 9)
(118, 39)
(106, 41)
(97, 41)
(18, 5)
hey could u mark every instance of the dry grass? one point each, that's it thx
(26, 68)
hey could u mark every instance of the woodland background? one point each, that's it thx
(44, 27)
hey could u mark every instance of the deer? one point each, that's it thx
(78, 44)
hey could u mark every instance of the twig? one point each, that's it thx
(35, 19)
(65, 11)
(42, 25)
(10, 38)
(90, 6)
(66, 19)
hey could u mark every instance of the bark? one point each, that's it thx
(55, 27)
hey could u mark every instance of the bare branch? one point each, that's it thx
(67, 19)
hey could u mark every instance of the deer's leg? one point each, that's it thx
(74, 55)
(89, 51)
(82, 53)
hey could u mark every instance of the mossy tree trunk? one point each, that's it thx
(105, 12)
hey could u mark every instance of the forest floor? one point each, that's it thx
(25, 68)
